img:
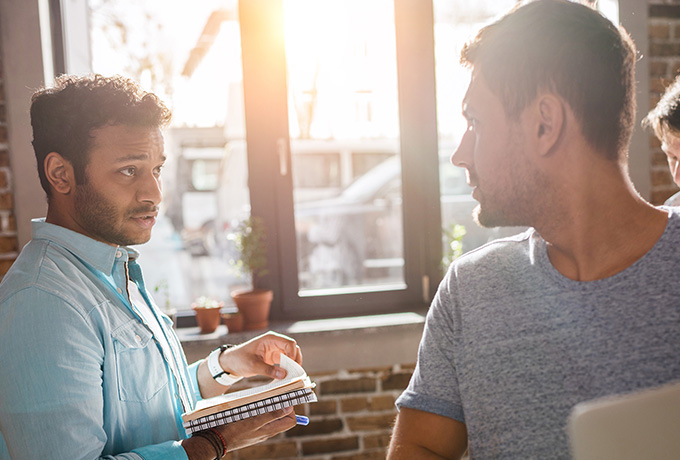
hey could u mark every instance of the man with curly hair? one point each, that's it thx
(90, 366)
(664, 120)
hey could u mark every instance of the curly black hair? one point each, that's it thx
(64, 115)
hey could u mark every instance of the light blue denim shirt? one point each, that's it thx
(80, 376)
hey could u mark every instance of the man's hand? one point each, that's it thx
(243, 433)
(257, 356)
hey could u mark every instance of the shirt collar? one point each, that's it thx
(98, 255)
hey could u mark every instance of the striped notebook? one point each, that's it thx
(295, 388)
(293, 398)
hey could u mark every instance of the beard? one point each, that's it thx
(512, 199)
(104, 221)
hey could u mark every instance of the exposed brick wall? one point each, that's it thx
(664, 65)
(352, 421)
(9, 244)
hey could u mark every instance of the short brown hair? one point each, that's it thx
(64, 115)
(567, 48)
(665, 117)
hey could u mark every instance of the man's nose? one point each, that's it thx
(462, 156)
(151, 190)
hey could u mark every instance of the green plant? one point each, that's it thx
(249, 240)
(163, 289)
(453, 244)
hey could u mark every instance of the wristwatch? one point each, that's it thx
(220, 375)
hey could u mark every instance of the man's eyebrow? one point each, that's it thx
(137, 157)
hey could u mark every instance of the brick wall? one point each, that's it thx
(9, 245)
(352, 420)
(664, 65)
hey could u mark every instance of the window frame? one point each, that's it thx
(269, 162)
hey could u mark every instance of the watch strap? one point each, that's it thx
(220, 375)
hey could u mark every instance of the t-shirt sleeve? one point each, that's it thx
(434, 384)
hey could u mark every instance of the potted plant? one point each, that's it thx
(207, 313)
(233, 320)
(249, 242)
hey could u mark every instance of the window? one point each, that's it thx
(319, 116)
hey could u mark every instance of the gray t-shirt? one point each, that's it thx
(510, 345)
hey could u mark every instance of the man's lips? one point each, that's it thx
(145, 220)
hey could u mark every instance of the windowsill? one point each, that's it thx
(330, 344)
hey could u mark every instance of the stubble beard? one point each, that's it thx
(102, 220)
(512, 202)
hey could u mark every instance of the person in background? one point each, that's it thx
(664, 120)
(582, 305)
(90, 366)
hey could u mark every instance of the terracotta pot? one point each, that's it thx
(254, 305)
(207, 318)
(233, 321)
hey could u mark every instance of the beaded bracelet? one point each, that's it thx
(222, 440)
(214, 441)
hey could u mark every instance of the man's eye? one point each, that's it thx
(128, 171)
(158, 170)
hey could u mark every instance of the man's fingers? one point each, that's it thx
(264, 419)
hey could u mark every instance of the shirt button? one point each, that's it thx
(118, 254)
(139, 339)
(120, 291)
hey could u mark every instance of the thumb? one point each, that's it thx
(275, 372)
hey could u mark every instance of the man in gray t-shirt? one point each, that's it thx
(586, 303)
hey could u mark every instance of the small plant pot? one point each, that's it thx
(233, 321)
(254, 305)
(207, 318)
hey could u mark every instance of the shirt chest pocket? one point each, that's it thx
(140, 369)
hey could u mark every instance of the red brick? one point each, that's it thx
(325, 446)
(360, 385)
(659, 159)
(4, 180)
(373, 441)
(664, 49)
(675, 68)
(380, 403)
(316, 427)
(8, 244)
(286, 449)
(659, 31)
(397, 381)
(6, 201)
(661, 177)
(5, 265)
(324, 407)
(350, 405)
(371, 422)
(658, 69)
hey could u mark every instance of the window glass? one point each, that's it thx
(343, 112)
(456, 22)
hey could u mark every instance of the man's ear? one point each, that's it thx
(59, 173)
(550, 113)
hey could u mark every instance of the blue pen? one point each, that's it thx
(302, 420)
